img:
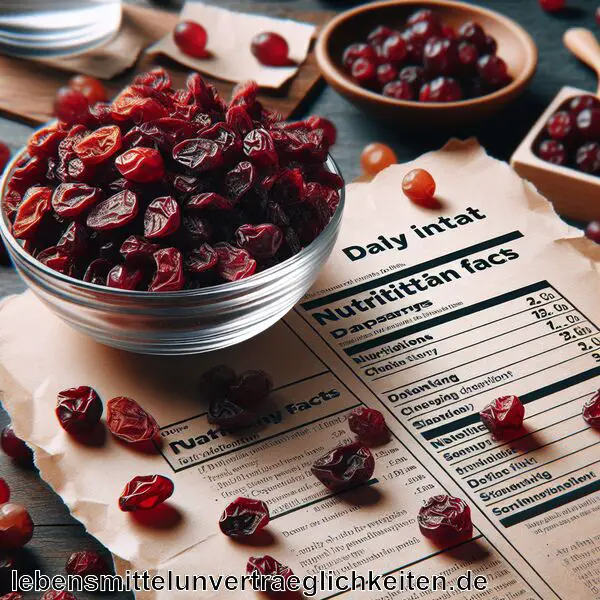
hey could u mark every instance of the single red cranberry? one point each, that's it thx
(378, 36)
(229, 415)
(114, 212)
(136, 250)
(234, 263)
(581, 102)
(424, 30)
(493, 70)
(79, 409)
(15, 447)
(271, 49)
(36, 203)
(588, 123)
(552, 5)
(364, 71)
(592, 231)
(162, 217)
(440, 56)
(400, 90)
(561, 125)
(386, 73)
(587, 158)
(260, 148)
(72, 199)
(467, 57)
(99, 145)
(250, 388)
(414, 46)
(191, 39)
(413, 75)
(441, 89)
(261, 241)
(244, 517)
(216, 382)
(368, 424)
(393, 48)
(473, 33)
(201, 260)
(168, 276)
(92, 88)
(128, 421)
(591, 410)
(503, 413)
(142, 165)
(4, 491)
(267, 565)
(145, 492)
(124, 277)
(344, 467)
(71, 106)
(85, 563)
(325, 125)
(553, 152)
(16, 526)
(356, 51)
(445, 519)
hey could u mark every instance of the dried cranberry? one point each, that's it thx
(440, 56)
(267, 566)
(493, 70)
(261, 241)
(15, 447)
(368, 424)
(400, 90)
(441, 89)
(356, 51)
(169, 271)
(217, 381)
(4, 491)
(132, 104)
(378, 36)
(16, 526)
(142, 165)
(468, 56)
(250, 388)
(43, 142)
(99, 145)
(55, 595)
(587, 158)
(71, 106)
(199, 154)
(135, 249)
(162, 217)
(393, 48)
(191, 39)
(56, 259)
(210, 200)
(239, 180)
(445, 519)
(259, 148)
(228, 414)
(419, 187)
(386, 73)
(591, 410)
(344, 467)
(85, 563)
(114, 212)
(124, 277)
(244, 517)
(92, 88)
(553, 152)
(474, 34)
(78, 409)
(12, 595)
(503, 413)
(561, 125)
(270, 49)
(72, 199)
(97, 271)
(74, 240)
(324, 125)
(364, 71)
(425, 29)
(145, 492)
(36, 203)
(234, 263)
(128, 421)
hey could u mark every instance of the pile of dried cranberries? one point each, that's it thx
(428, 61)
(167, 189)
(572, 135)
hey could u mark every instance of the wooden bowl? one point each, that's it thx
(574, 194)
(515, 46)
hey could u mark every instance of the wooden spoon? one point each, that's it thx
(584, 45)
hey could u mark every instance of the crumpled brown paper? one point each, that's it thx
(39, 355)
(229, 39)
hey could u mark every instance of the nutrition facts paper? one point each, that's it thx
(427, 316)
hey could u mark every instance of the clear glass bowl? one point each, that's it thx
(184, 322)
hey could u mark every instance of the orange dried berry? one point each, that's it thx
(419, 187)
(36, 203)
(99, 145)
(376, 157)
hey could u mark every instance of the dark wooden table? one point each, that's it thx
(57, 533)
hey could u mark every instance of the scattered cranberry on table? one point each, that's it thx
(368, 424)
(15, 447)
(16, 526)
(502, 414)
(419, 187)
(167, 189)
(4, 491)
(451, 65)
(344, 467)
(86, 562)
(376, 157)
(128, 421)
(592, 231)
(267, 565)
(571, 136)
(78, 409)
(552, 5)
(244, 517)
(445, 519)
(270, 49)
(145, 492)
(191, 39)
(591, 410)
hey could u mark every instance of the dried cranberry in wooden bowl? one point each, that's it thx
(218, 248)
